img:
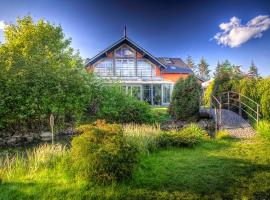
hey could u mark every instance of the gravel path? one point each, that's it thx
(236, 125)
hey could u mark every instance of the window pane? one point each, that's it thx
(166, 93)
(125, 67)
(147, 93)
(136, 92)
(104, 68)
(144, 68)
(157, 94)
(124, 51)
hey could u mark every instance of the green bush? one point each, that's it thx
(263, 128)
(116, 106)
(101, 154)
(185, 103)
(188, 136)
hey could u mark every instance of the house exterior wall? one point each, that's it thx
(174, 77)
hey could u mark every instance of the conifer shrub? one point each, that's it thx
(188, 136)
(185, 103)
(101, 154)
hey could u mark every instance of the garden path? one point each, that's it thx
(236, 125)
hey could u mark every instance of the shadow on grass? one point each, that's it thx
(204, 171)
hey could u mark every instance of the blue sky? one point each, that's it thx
(165, 28)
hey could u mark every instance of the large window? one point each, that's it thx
(125, 67)
(104, 67)
(144, 68)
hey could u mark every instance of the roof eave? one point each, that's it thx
(118, 42)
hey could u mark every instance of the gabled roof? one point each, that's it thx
(125, 40)
(175, 65)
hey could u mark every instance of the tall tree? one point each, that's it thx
(40, 74)
(253, 71)
(191, 64)
(203, 69)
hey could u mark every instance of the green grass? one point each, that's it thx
(160, 114)
(215, 169)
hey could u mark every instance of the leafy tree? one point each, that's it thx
(226, 76)
(253, 71)
(40, 74)
(203, 69)
(185, 103)
(191, 64)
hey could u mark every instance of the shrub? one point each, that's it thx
(144, 137)
(185, 103)
(188, 136)
(101, 153)
(223, 134)
(114, 105)
(263, 128)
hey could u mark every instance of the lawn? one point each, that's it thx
(215, 169)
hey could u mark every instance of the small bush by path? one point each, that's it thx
(188, 136)
(263, 128)
(102, 155)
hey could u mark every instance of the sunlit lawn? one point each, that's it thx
(230, 169)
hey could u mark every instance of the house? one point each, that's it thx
(141, 74)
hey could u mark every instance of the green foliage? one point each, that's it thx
(101, 154)
(40, 74)
(185, 103)
(215, 169)
(226, 77)
(203, 69)
(253, 71)
(188, 136)
(144, 137)
(160, 115)
(263, 128)
(208, 94)
(222, 134)
(191, 64)
(116, 106)
(41, 157)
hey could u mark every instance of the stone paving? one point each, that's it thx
(236, 125)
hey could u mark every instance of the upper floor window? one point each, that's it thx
(144, 68)
(125, 67)
(104, 67)
(124, 52)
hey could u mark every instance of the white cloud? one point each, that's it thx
(2, 24)
(234, 33)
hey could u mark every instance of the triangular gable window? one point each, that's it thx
(124, 52)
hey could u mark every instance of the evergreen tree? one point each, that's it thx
(253, 71)
(191, 64)
(203, 69)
